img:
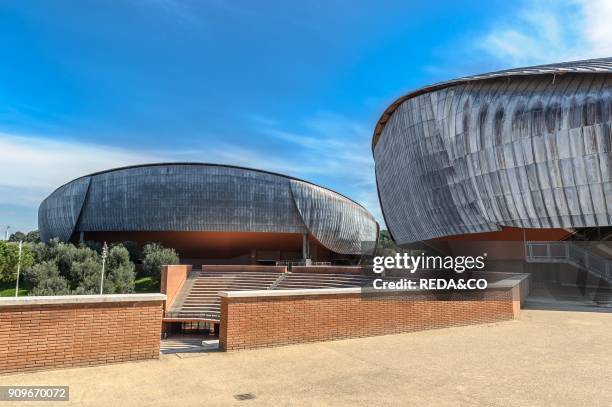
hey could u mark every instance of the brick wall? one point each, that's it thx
(279, 319)
(55, 332)
(172, 279)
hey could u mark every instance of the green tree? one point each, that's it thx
(9, 257)
(133, 249)
(63, 268)
(120, 270)
(384, 235)
(54, 285)
(46, 279)
(33, 237)
(154, 257)
(30, 237)
(89, 273)
(17, 237)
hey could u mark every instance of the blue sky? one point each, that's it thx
(292, 87)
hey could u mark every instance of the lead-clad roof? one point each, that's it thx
(204, 197)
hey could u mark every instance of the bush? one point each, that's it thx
(17, 237)
(55, 285)
(65, 268)
(133, 250)
(89, 274)
(46, 280)
(9, 257)
(154, 257)
(30, 237)
(121, 270)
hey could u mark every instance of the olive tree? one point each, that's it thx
(154, 257)
(9, 257)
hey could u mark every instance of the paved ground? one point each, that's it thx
(547, 358)
(188, 344)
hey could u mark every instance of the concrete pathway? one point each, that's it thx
(545, 358)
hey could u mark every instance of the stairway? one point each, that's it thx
(297, 281)
(570, 253)
(200, 297)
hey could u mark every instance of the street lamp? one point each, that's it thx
(104, 254)
(18, 269)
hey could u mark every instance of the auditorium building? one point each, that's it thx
(210, 214)
(516, 164)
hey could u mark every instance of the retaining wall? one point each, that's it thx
(172, 279)
(78, 330)
(252, 319)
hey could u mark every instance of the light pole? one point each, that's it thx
(104, 254)
(18, 269)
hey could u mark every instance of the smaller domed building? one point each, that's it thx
(217, 214)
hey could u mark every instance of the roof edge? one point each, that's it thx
(587, 66)
(204, 164)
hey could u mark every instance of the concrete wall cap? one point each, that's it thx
(79, 299)
(509, 282)
(290, 293)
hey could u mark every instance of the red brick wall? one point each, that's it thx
(36, 337)
(251, 322)
(172, 279)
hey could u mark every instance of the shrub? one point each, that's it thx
(46, 280)
(64, 267)
(9, 257)
(120, 270)
(89, 273)
(133, 249)
(55, 285)
(30, 237)
(154, 257)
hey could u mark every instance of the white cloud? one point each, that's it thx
(333, 147)
(32, 167)
(330, 149)
(551, 31)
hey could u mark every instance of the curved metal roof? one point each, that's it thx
(590, 66)
(528, 152)
(192, 197)
(238, 167)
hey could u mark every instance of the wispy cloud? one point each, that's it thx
(32, 167)
(550, 31)
(334, 148)
(328, 149)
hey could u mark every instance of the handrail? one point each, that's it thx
(568, 252)
(195, 315)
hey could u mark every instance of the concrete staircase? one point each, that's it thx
(200, 299)
(570, 253)
(299, 281)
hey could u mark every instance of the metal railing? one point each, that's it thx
(213, 316)
(568, 252)
(290, 263)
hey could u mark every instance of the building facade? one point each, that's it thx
(214, 212)
(516, 164)
(526, 148)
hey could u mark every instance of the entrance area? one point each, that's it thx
(190, 337)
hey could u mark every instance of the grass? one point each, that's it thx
(141, 285)
(8, 290)
(145, 285)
